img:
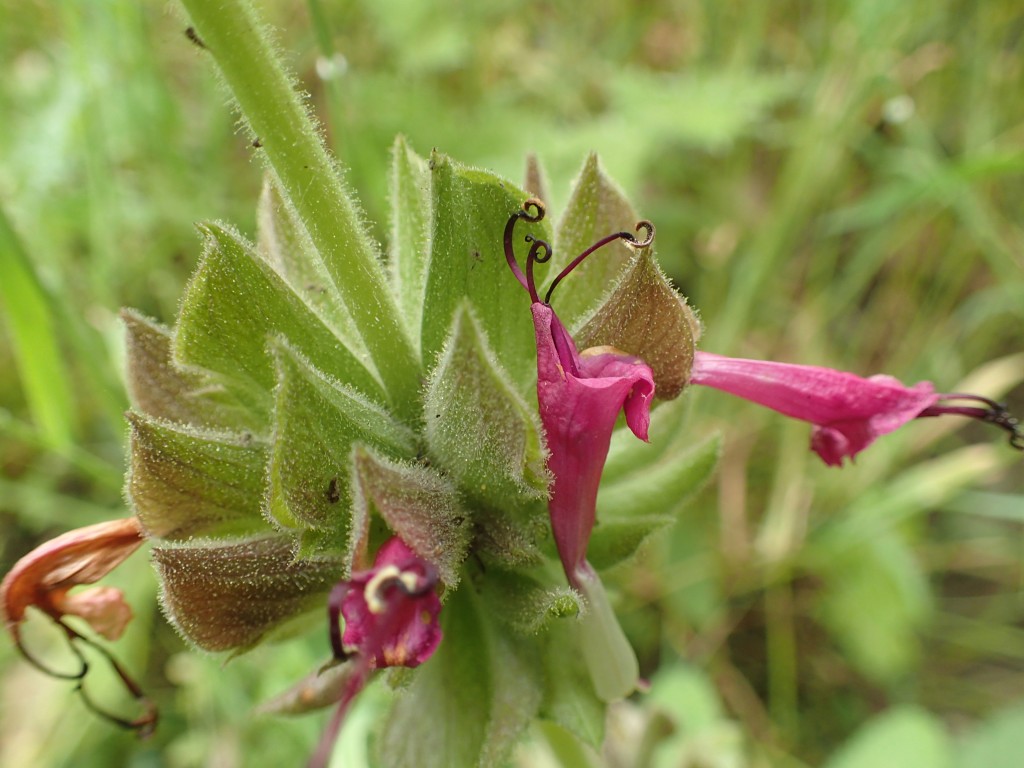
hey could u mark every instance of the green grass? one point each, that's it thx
(838, 184)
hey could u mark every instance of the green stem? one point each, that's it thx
(310, 180)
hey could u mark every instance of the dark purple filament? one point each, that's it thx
(540, 250)
(992, 413)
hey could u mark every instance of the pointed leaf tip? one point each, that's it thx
(418, 504)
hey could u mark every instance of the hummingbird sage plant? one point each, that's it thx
(405, 448)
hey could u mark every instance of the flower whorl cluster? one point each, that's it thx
(277, 469)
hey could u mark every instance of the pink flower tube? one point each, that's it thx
(848, 412)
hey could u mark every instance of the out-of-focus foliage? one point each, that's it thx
(833, 183)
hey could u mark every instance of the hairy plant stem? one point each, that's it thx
(310, 180)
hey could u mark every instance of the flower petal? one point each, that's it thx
(580, 400)
(391, 610)
(82, 556)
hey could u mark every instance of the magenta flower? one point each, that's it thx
(848, 412)
(391, 620)
(580, 397)
(390, 610)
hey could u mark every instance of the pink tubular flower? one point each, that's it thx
(848, 412)
(580, 397)
(391, 620)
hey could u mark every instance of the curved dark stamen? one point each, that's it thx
(627, 237)
(145, 723)
(334, 602)
(539, 210)
(510, 256)
(649, 227)
(994, 413)
(46, 670)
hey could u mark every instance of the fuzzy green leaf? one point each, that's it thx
(410, 221)
(419, 505)
(470, 702)
(185, 481)
(646, 317)
(469, 211)
(283, 242)
(239, 43)
(231, 595)
(478, 426)
(513, 542)
(233, 303)
(316, 423)
(597, 208)
(160, 388)
(617, 539)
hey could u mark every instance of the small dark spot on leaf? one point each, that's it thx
(333, 491)
(192, 35)
(257, 143)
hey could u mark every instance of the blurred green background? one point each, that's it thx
(836, 183)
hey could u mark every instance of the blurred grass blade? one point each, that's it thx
(41, 366)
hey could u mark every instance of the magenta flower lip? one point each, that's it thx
(848, 412)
